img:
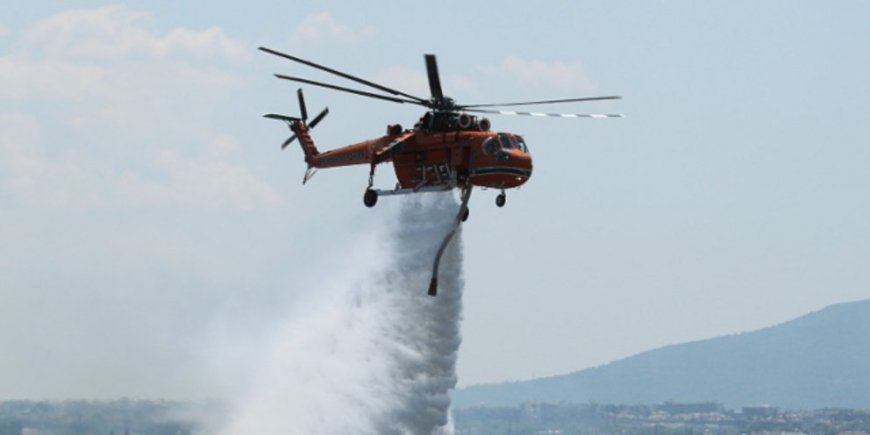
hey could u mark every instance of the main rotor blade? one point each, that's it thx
(529, 103)
(341, 74)
(434, 80)
(352, 91)
(555, 115)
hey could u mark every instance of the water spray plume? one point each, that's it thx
(370, 355)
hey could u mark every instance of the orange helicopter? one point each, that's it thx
(448, 147)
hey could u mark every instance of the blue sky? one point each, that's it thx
(145, 201)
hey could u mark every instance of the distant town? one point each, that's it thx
(664, 418)
(141, 417)
(114, 417)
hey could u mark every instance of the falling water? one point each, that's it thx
(371, 354)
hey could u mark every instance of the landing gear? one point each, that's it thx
(370, 198)
(500, 199)
(464, 215)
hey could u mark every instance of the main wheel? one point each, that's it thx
(370, 198)
(500, 200)
(464, 215)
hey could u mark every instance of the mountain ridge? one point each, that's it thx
(821, 359)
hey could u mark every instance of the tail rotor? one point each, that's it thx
(292, 120)
(302, 108)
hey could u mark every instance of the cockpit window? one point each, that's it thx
(521, 144)
(505, 141)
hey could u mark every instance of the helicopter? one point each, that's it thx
(449, 147)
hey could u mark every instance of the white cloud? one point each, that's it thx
(322, 27)
(107, 31)
(209, 42)
(117, 30)
(22, 78)
(109, 53)
(119, 96)
(215, 180)
(560, 75)
(458, 85)
(67, 181)
(410, 80)
(19, 139)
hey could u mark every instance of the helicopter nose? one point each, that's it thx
(515, 156)
(521, 159)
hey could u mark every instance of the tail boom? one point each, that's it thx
(308, 148)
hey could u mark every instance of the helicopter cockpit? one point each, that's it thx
(504, 141)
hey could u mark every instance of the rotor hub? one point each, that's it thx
(443, 104)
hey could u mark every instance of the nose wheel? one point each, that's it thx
(500, 199)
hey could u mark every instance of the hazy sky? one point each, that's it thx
(146, 210)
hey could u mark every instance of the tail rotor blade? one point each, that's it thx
(280, 117)
(302, 105)
(319, 117)
(434, 79)
(288, 141)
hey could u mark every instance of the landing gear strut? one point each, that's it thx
(371, 196)
(500, 199)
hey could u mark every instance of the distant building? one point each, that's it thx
(759, 411)
(690, 408)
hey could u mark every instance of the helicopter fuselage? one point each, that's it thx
(485, 159)
(428, 158)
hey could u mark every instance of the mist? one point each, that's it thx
(368, 351)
